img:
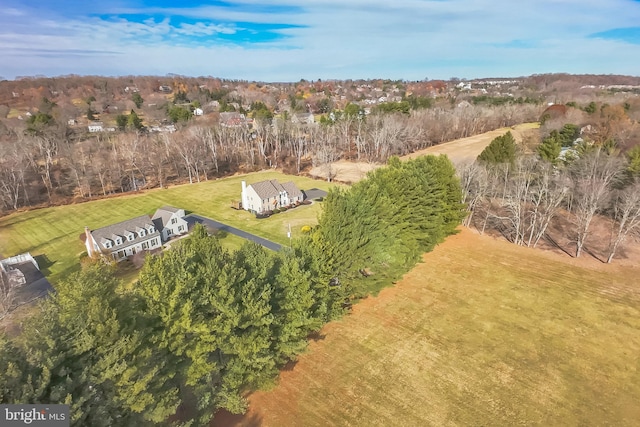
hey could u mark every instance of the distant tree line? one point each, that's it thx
(203, 326)
(50, 163)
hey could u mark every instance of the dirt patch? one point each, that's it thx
(343, 171)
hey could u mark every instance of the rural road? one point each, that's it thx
(194, 218)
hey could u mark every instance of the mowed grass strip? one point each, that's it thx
(482, 333)
(55, 232)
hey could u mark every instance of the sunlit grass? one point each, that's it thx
(482, 333)
(54, 233)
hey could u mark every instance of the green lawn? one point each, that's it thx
(53, 234)
(483, 333)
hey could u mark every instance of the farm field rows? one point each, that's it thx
(482, 333)
(55, 232)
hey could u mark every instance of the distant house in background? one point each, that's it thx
(265, 196)
(198, 112)
(307, 118)
(95, 127)
(72, 122)
(231, 119)
(169, 221)
(135, 235)
(165, 89)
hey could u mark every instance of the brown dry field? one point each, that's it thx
(483, 332)
(459, 151)
(467, 149)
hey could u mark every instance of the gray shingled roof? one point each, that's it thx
(272, 188)
(162, 216)
(120, 229)
(267, 189)
(292, 189)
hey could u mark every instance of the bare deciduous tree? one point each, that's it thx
(626, 217)
(474, 182)
(593, 176)
(546, 197)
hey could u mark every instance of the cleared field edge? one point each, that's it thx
(458, 150)
(478, 334)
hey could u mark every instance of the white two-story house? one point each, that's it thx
(123, 239)
(170, 222)
(135, 235)
(265, 196)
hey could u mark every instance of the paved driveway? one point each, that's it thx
(192, 219)
(314, 193)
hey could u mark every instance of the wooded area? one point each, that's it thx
(52, 166)
(523, 195)
(203, 326)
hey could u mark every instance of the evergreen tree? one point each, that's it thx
(137, 99)
(550, 148)
(83, 350)
(133, 121)
(501, 150)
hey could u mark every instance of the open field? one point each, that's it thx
(55, 232)
(482, 333)
(467, 149)
(459, 151)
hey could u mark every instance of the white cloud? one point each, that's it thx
(409, 39)
(200, 28)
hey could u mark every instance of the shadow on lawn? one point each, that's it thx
(44, 263)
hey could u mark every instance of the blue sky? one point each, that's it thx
(287, 40)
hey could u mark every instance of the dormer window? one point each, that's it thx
(107, 244)
(141, 233)
(119, 241)
(152, 230)
(130, 237)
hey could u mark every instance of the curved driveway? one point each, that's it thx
(208, 222)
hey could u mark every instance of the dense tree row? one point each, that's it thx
(203, 326)
(50, 164)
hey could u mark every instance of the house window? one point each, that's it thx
(173, 220)
(130, 236)
(152, 230)
(142, 233)
(107, 245)
(118, 241)
(145, 245)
